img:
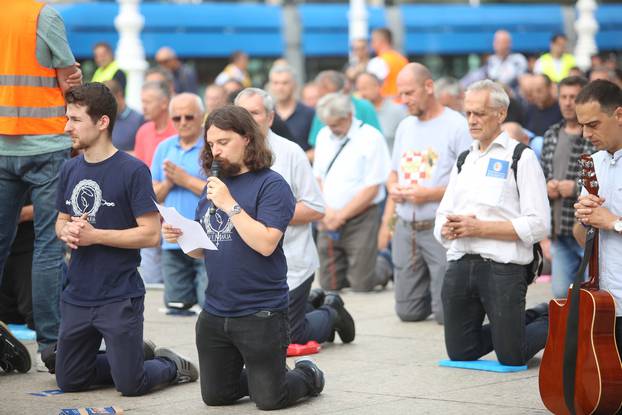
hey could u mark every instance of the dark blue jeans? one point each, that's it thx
(185, 279)
(475, 287)
(78, 365)
(242, 356)
(306, 325)
(40, 174)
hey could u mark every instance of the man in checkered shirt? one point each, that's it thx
(427, 144)
(563, 144)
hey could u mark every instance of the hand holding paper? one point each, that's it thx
(193, 236)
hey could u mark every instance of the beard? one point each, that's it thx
(228, 169)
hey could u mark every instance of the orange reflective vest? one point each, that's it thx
(31, 101)
(395, 62)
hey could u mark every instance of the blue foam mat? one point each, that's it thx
(487, 365)
(22, 333)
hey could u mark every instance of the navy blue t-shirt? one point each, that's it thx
(113, 193)
(241, 280)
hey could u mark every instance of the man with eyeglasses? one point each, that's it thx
(178, 181)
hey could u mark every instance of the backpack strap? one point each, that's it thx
(461, 159)
(518, 151)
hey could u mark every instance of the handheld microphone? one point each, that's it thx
(214, 171)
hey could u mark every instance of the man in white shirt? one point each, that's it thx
(489, 221)
(351, 164)
(291, 162)
(427, 144)
(599, 112)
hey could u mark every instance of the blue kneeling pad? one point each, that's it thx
(487, 365)
(22, 332)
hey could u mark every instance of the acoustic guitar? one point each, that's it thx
(581, 372)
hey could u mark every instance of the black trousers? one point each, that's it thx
(245, 356)
(16, 279)
(475, 287)
(308, 324)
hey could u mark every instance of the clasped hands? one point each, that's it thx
(175, 175)
(78, 232)
(460, 226)
(589, 211)
(415, 193)
(561, 188)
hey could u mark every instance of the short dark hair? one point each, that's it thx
(385, 33)
(257, 154)
(558, 36)
(98, 100)
(114, 86)
(104, 45)
(606, 93)
(236, 55)
(573, 81)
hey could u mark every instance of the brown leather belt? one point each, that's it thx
(419, 225)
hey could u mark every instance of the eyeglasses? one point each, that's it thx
(177, 118)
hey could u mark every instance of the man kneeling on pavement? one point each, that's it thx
(489, 219)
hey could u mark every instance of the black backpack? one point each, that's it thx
(534, 269)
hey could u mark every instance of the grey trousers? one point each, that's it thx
(418, 279)
(350, 256)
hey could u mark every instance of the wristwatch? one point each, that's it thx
(235, 209)
(617, 225)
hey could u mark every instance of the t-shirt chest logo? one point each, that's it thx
(86, 198)
(217, 226)
(417, 166)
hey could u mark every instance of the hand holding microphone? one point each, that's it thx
(214, 170)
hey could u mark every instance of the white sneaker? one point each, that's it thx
(40, 366)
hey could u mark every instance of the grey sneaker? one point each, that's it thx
(186, 370)
(308, 366)
(149, 348)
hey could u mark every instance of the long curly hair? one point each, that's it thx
(257, 154)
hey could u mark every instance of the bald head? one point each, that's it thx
(186, 111)
(502, 43)
(415, 71)
(167, 58)
(515, 131)
(416, 89)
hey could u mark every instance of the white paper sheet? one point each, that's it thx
(193, 237)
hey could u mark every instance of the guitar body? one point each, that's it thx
(598, 379)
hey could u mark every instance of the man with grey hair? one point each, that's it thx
(155, 97)
(178, 181)
(351, 164)
(290, 162)
(333, 81)
(297, 116)
(490, 216)
(426, 146)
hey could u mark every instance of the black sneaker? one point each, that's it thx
(343, 321)
(316, 297)
(149, 348)
(308, 366)
(186, 371)
(13, 354)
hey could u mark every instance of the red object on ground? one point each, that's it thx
(311, 347)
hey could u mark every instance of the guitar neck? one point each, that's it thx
(593, 270)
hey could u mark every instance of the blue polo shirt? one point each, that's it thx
(180, 198)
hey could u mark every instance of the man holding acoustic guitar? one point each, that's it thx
(599, 111)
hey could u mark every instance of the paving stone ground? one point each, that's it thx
(390, 368)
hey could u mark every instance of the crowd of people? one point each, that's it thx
(365, 175)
